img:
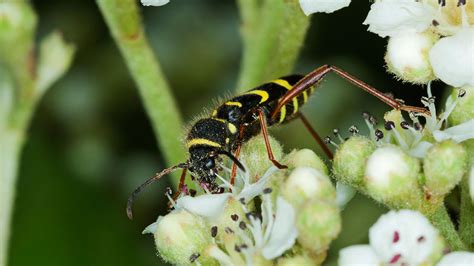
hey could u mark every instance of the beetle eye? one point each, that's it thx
(210, 164)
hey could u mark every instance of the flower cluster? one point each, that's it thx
(429, 39)
(268, 215)
(406, 165)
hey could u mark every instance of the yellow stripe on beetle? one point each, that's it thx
(283, 83)
(282, 114)
(263, 94)
(234, 103)
(205, 142)
(305, 96)
(295, 105)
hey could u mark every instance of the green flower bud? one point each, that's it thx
(350, 159)
(407, 56)
(444, 165)
(296, 261)
(181, 238)
(391, 177)
(305, 157)
(255, 157)
(318, 223)
(306, 183)
(464, 109)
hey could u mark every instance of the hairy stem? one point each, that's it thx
(124, 21)
(441, 220)
(466, 227)
(273, 34)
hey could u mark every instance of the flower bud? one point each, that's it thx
(306, 183)
(305, 157)
(296, 261)
(444, 166)
(350, 159)
(255, 157)
(407, 56)
(318, 222)
(392, 177)
(181, 238)
(464, 109)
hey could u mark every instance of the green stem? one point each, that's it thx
(124, 21)
(10, 148)
(466, 227)
(441, 220)
(273, 34)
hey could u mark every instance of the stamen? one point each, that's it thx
(418, 126)
(242, 225)
(337, 135)
(194, 257)
(328, 140)
(442, 2)
(404, 125)
(219, 255)
(214, 231)
(389, 125)
(168, 194)
(421, 239)
(353, 130)
(378, 135)
(234, 217)
(267, 190)
(242, 201)
(228, 230)
(369, 122)
(461, 93)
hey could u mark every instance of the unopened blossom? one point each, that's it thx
(459, 258)
(402, 237)
(322, 6)
(471, 182)
(154, 2)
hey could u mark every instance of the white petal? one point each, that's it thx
(458, 258)
(151, 229)
(208, 205)
(358, 255)
(457, 133)
(393, 17)
(452, 58)
(327, 6)
(405, 232)
(255, 189)
(344, 193)
(284, 233)
(154, 2)
(419, 151)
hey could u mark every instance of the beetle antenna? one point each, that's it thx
(149, 181)
(233, 158)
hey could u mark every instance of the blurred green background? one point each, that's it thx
(90, 143)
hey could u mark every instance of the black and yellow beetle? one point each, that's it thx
(246, 115)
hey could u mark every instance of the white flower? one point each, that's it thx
(459, 258)
(393, 17)
(211, 205)
(458, 133)
(404, 238)
(344, 194)
(452, 58)
(154, 2)
(326, 6)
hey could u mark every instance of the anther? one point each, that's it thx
(237, 248)
(389, 125)
(243, 246)
(327, 140)
(417, 126)
(366, 115)
(192, 192)
(267, 190)
(242, 201)
(353, 130)
(168, 191)
(442, 2)
(421, 239)
(461, 93)
(194, 257)
(378, 134)
(214, 231)
(242, 225)
(461, 3)
(435, 22)
(234, 217)
(404, 124)
(373, 120)
(228, 230)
